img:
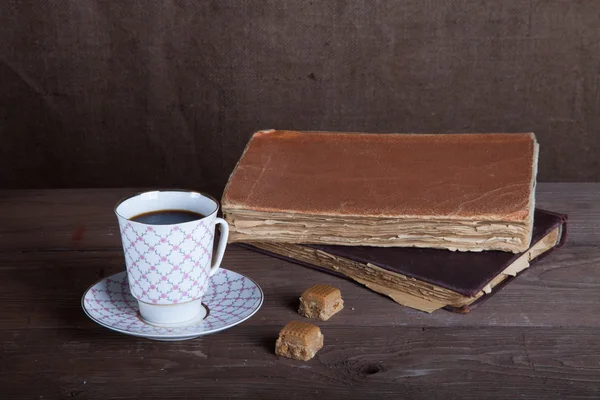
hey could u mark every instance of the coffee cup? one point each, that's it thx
(167, 238)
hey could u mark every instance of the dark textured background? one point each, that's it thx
(166, 93)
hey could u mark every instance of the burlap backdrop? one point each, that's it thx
(166, 93)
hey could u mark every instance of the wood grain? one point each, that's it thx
(537, 338)
(400, 362)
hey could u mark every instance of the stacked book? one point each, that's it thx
(432, 221)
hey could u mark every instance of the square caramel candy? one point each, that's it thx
(299, 340)
(320, 302)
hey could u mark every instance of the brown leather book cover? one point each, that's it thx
(457, 191)
(463, 276)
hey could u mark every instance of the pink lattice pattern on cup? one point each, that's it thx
(168, 266)
(230, 298)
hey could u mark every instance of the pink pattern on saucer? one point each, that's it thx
(231, 298)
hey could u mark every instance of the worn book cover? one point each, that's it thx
(427, 279)
(468, 192)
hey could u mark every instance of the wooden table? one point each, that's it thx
(538, 338)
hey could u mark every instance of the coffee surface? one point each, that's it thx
(167, 217)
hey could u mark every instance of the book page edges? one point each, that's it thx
(421, 301)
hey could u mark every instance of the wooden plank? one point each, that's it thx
(60, 219)
(581, 201)
(380, 362)
(42, 290)
(84, 219)
(537, 338)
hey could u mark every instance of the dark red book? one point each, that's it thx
(427, 279)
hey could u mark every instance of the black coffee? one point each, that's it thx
(167, 217)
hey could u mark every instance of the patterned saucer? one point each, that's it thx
(231, 299)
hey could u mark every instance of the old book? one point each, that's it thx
(468, 192)
(428, 279)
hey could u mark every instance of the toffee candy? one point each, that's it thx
(299, 340)
(321, 302)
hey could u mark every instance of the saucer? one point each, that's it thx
(231, 299)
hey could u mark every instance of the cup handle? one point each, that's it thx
(221, 247)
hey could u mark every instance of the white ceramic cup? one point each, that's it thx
(169, 266)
